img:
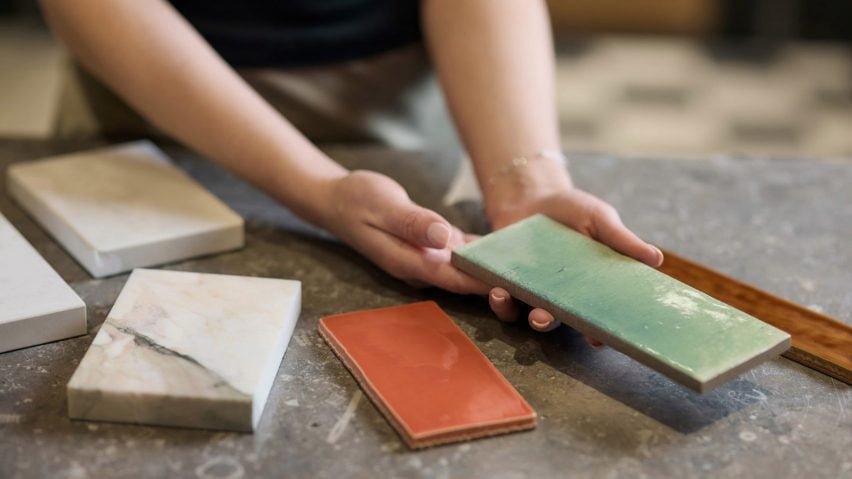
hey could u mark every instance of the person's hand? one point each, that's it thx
(556, 197)
(373, 214)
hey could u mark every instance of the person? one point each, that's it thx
(494, 62)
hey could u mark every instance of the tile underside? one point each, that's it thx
(187, 349)
(667, 325)
(425, 375)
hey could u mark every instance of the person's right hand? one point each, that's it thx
(584, 213)
(545, 187)
(374, 215)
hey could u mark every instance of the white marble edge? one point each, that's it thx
(271, 370)
(52, 326)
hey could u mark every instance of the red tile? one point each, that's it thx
(425, 375)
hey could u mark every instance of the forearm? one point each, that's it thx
(148, 54)
(495, 62)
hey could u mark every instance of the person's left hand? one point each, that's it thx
(374, 215)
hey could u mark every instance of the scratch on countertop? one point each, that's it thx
(340, 426)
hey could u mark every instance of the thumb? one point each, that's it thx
(417, 225)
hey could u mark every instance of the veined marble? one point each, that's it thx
(36, 305)
(124, 207)
(187, 349)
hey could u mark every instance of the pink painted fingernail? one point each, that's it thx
(659, 255)
(499, 298)
(438, 235)
(541, 324)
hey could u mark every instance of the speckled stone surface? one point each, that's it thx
(650, 316)
(781, 225)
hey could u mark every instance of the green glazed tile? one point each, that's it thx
(657, 320)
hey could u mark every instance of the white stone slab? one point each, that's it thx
(124, 207)
(187, 349)
(36, 305)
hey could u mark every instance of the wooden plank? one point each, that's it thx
(819, 342)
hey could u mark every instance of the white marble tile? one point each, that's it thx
(124, 207)
(187, 349)
(36, 305)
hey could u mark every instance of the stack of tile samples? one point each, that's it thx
(178, 349)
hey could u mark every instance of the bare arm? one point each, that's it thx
(496, 63)
(148, 54)
(151, 57)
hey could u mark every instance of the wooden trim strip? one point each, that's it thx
(819, 342)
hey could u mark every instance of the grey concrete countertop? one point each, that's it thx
(783, 225)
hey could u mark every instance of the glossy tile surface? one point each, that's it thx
(187, 349)
(123, 207)
(648, 315)
(36, 305)
(425, 375)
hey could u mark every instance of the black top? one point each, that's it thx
(288, 33)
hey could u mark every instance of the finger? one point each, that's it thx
(415, 264)
(416, 225)
(434, 266)
(599, 220)
(503, 305)
(542, 321)
(609, 230)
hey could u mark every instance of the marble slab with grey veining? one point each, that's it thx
(36, 305)
(123, 207)
(187, 349)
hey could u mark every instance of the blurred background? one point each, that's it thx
(670, 78)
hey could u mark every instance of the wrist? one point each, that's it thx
(308, 192)
(319, 207)
(523, 181)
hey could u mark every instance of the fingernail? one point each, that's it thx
(438, 235)
(541, 324)
(659, 256)
(497, 298)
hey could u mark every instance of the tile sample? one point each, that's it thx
(187, 349)
(818, 341)
(657, 320)
(425, 375)
(36, 305)
(124, 207)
